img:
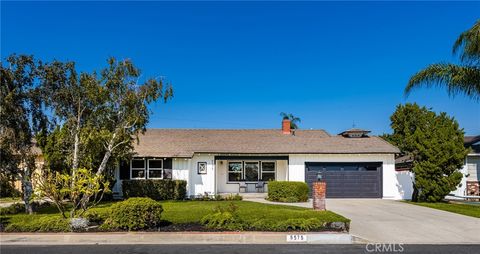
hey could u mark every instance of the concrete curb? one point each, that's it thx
(174, 238)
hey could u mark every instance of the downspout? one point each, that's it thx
(288, 169)
(214, 176)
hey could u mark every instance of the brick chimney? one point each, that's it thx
(286, 126)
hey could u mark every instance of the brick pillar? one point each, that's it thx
(318, 195)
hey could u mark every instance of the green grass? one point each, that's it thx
(193, 211)
(465, 209)
(177, 212)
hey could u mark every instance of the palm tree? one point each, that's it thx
(293, 120)
(463, 78)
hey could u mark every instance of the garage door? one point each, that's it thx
(347, 180)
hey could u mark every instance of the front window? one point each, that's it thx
(235, 171)
(155, 169)
(251, 171)
(137, 169)
(268, 171)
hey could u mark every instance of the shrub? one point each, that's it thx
(284, 191)
(85, 190)
(16, 208)
(223, 218)
(233, 197)
(97, 215)
(165, 189)
(13, 209)
(134, 214)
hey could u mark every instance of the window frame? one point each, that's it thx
(156, 169)
(228, 172)
(274, 170)
(144, 169)
(258, 169)
(242, 173)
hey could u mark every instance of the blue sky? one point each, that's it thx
(238, 65)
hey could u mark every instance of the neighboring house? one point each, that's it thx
(469, 185)
(216, 161)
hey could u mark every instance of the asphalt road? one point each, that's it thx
(240, 249)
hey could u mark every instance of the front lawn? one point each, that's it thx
(465, 209)
(183, 215)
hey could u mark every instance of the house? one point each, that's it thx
(220, 161)
(470, 183)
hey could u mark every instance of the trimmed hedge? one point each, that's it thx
(164, 189)
(284, 191)
(134, 214)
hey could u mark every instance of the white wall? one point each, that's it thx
(391, 187)
(199, 184)
(405, 184)
(180, 169)
(471, 168)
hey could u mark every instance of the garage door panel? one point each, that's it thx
(351, 181)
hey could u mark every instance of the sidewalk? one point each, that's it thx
(171, 238)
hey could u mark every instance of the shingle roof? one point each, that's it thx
(470, 140)
(186, 142)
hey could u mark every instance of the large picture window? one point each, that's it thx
(235, 171)
(155, 169)
(268, 171)
(251, 171)
(137, 169)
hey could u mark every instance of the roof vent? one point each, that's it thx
(355, 133)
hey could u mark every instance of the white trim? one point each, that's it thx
(148, 169)
(144, 169)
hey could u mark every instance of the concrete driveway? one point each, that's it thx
(388, 221)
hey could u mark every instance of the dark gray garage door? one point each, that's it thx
(347, 180)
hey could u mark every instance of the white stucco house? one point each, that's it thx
(218, 161)
(470, 183)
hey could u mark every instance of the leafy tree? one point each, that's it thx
(435, 143)
(57, 187)
(21, 111)
(463, 78)
(72, 98)
(293, 120)
(124, 112)
(56, 148)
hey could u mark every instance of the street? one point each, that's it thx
(241, 249)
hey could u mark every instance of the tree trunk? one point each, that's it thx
(76, 147)
(27, 190)
(75, 153)
(106, 156)
(415, 193)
